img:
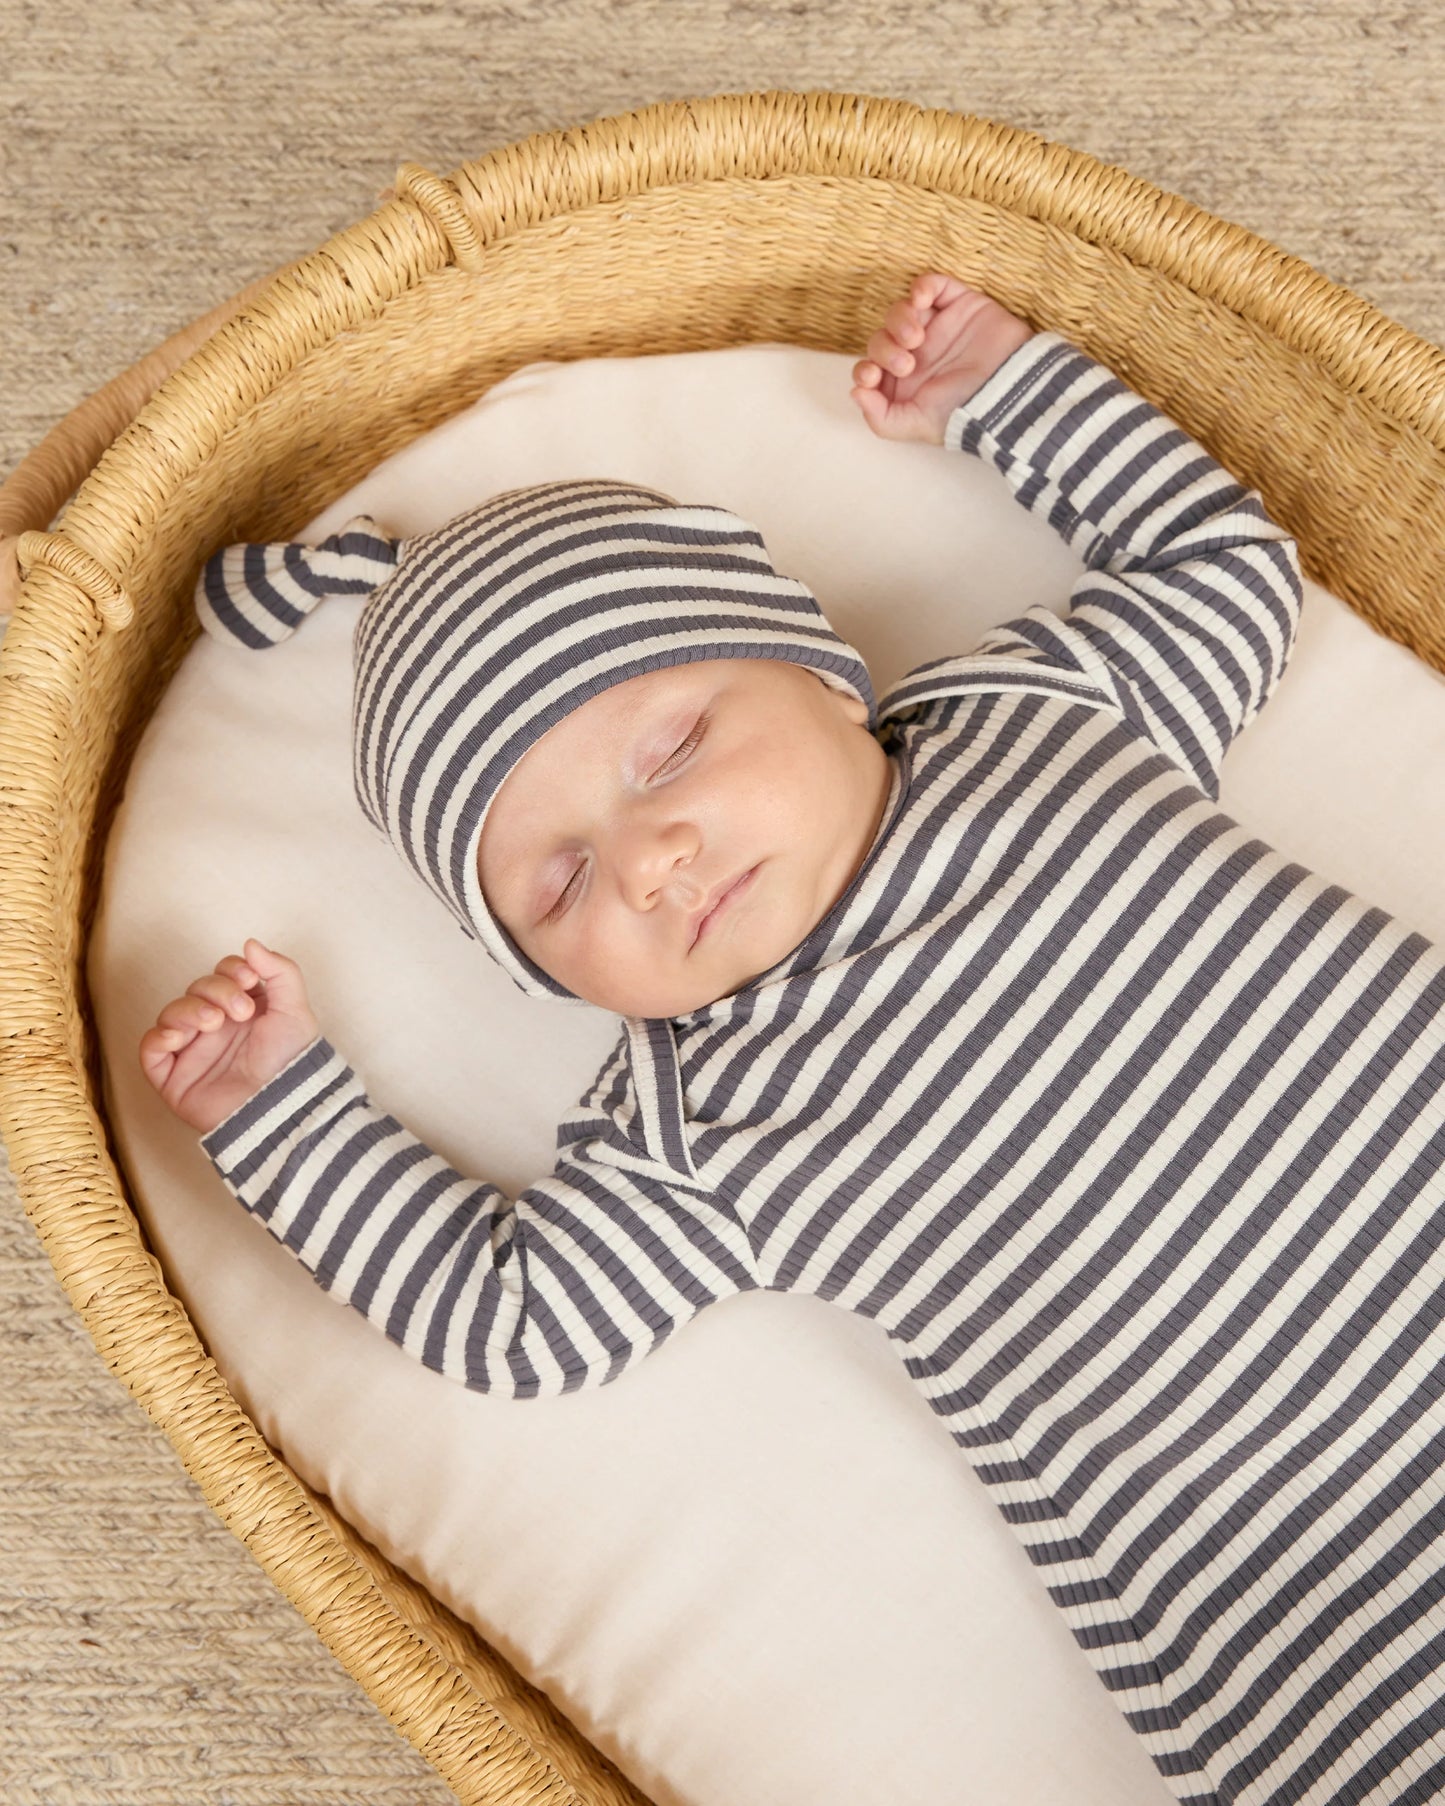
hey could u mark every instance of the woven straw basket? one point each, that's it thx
(687, 225)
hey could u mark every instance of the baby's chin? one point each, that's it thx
(659, 1003)
(681, 996)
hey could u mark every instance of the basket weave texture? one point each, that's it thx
(779, 216)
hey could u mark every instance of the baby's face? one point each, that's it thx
(683, 831)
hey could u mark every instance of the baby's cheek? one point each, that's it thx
(609, 946)
(809, 806)
(776, 797)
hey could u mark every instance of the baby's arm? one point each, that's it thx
(1187, 616)
(563, 1287)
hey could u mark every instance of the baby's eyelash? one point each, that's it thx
(687, 746)
(557, 907)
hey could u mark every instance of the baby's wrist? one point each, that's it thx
(996, 341)
(1000, 389)
(1005, 343)
(290, 1090)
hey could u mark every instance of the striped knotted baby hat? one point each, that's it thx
(477, 637)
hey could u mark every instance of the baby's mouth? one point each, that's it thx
(718, 903)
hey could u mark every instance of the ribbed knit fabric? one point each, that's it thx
(1129, 1130)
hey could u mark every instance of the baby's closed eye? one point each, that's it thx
(685, 750)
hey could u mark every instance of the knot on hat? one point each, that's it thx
(257, 595)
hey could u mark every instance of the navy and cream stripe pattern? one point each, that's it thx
(1127, 1128)
(258, 595)
(481, 635)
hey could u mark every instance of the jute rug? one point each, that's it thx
(156, 157)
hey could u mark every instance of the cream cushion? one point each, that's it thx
(755, 1570)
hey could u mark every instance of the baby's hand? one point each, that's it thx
(933, 350)
(234, 1029)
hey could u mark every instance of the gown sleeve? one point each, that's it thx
(562, 1287)
(1185, 618)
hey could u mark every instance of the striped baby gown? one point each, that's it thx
(1129, 1130)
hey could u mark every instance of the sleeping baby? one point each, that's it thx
(964, 1007)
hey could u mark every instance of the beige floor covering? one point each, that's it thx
(155, 155)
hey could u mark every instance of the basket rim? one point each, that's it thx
(432, 222)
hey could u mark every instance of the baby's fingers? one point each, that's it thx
(934, 290)
(225, 993)
(906, 322)
(161, 1047)
(871, 403)
(158, 1049)
(192, 1014)
(887, 348)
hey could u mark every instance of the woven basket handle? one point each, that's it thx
(39, 487)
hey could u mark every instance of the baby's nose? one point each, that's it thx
(655, 864)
